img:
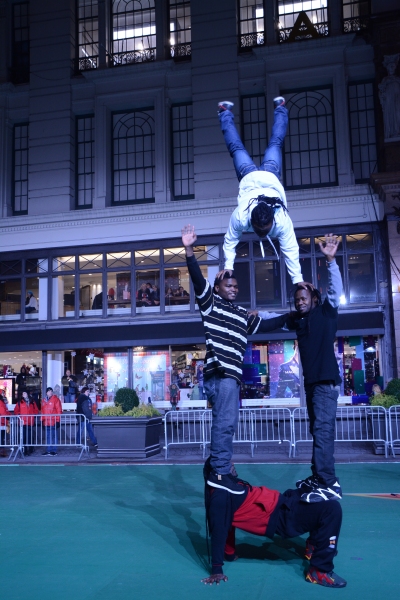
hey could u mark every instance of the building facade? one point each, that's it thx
(110, 143)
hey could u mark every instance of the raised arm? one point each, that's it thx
(335, 284)
(200, 284)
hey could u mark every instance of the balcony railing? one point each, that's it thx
(181, 51)
(251, 40)
(133, 57)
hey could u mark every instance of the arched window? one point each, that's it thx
(134, 31)
(310, 154)
(133, 157)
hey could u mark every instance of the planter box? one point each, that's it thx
(127, 437)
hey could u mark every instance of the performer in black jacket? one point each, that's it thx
(266, 512)
(315, 324)
(226, 327)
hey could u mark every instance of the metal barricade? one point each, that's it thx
(244, 432)
(183, 427)
(45, 431)
(393, 415)
(353, 424)
(271, 425)
(10, 436)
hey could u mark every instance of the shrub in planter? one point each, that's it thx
(126, 398)
(111, 411)
(143, 410)
(384, 400)
(393, 389)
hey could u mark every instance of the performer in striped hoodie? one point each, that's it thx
(226, 328)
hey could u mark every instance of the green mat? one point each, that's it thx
(128, 532)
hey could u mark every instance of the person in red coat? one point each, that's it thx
(4, 425)
(27, 409)
(266, 512)
(51, 405)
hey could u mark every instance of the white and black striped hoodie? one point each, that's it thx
(226, 327)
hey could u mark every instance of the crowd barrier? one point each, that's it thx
(258, 426)
(42, 431)
(393, 417)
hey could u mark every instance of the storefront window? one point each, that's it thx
(268, 283)
(63, 298)
(119, 293)
(359, 364)
(177, 289)
(359, 241)
(151, 375)
(115, 373)
(271, 370)
(90, 288)
(242, 272)
(306, 271)
(148, 291)
(21, 371)
(10, 300)
(10, 267)
(362, 277)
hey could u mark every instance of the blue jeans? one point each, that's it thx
(51, 438)
(242, 160)
(89, 430)
(223, 395)
(321, 405)
(70, 397)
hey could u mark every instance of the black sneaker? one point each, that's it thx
(321, 494)
(308, 484)
(53, 453)
(225, 105)
(46, 453)
(279, 101)
(326, 579)
(225, 482)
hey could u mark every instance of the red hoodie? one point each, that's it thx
(23, 409)
(51, 406)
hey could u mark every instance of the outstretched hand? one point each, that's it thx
(329, 246)
(214, 579)
(189, 236)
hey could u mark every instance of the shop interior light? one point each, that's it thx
(343, 299)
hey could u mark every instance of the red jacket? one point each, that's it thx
(23, 409)
(3, 411)
(51, 406)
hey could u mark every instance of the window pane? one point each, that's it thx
(254, 126)
(36, 265)
(309, 151)
(90, 286)
(134, 31)
(10, 300)
(177, 289)
(293, 27)
(147, 257)
(306, 271)
(88, 34)
(182, 152)
(64, 263)
(359, 241)
(10, 267)
(362, 278)
(118, 260)
(180, 28)
(322, 273)
(20, 169)
(147, 291)
(63, 297)
(268, 283)
(90, 261)
(85, 161)
(242, 272)
(251, 23)
(115, 373)
(32, 300)
(119, 293)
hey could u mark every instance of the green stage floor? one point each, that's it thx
(124, 532)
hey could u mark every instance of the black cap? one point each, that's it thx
(49, 389)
